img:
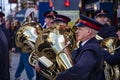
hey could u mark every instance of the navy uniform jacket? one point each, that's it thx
(113, 59)
(88, 63)
(4, 57)
(107, 31)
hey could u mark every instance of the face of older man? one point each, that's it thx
(82, 33)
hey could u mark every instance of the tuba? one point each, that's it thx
(111, 44)
(52, 50)
(27, 35)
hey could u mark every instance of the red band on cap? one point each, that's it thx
(91, 25)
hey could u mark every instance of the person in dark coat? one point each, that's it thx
(107, 31)
(5, 30)
(7, 34)
(88, 58)
(16, 25)
(4, 55)
(114, 59)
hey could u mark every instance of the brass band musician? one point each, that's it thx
(48, 18)
(113, 58)
(88, 60)
(62, 22)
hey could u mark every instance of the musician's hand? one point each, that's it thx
(37, 67)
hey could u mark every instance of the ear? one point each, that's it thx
(89, 30)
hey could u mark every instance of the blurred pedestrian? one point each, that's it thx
(4, 53)
(6, 31)
(14, 28)
(8, 27)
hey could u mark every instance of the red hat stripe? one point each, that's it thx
(90, 24)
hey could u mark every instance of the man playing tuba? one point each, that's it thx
(88, 63)
(48, 18)
(59, 27)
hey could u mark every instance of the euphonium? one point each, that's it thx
(111, 44)
(27, 35)
(52, 51)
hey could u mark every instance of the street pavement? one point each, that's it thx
(14, 64)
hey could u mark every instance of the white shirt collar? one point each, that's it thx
(83, 43)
